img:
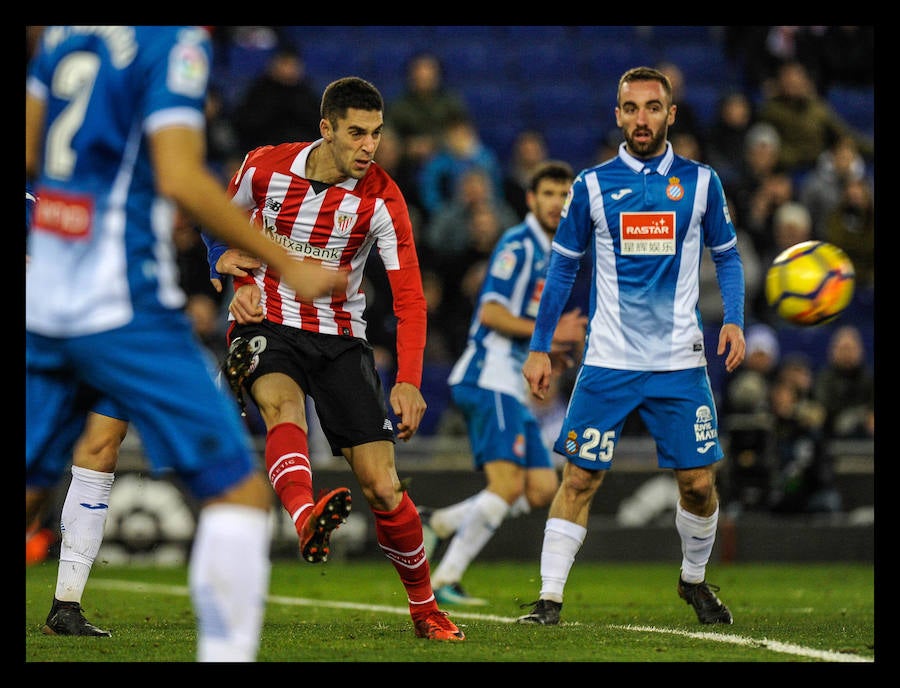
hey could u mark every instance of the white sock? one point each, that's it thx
(698, 534)
(446, 520)
(562, 540)
(229, 581)
(82, 521)
(485, 515)
(520, 507)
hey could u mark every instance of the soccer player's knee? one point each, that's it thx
(581, 481)
(541, 495)
(381, 494)
(698, 492)
(98, 451)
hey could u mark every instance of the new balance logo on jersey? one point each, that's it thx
(620, 194)
(706, 447)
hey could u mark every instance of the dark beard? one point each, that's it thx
(653, 147)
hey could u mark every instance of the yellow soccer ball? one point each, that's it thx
(810, 283)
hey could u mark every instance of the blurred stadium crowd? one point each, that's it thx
(785, 114)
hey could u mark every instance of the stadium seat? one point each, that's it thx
(546, 61)
(501, 136)
(448, 34)
(701, 63)
(390, 58)
(664, 36)
(328, 61)
(604, 61)
(549, 102)
(623, 34)
(490, 105)
(705, 100)
(237, 69)
(466, 59)
(534, 34)
(856, 105)
(574, 141)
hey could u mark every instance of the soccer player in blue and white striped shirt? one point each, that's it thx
(648, 215)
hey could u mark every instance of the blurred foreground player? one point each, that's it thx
(114, 139)
(95, 454)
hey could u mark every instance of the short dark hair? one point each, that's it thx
(645, 74)
(349, 92)
(556, 170)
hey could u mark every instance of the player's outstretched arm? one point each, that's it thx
(182, 176)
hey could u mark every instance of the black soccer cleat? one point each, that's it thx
(543, 613)
(67, 618)
(702, 597)
(236, 368)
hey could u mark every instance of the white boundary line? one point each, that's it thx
(764, 643)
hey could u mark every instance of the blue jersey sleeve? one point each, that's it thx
(569, 245)
(214, 250)
(730, 275)
(560, 278)
(719, 232)
(721, 237)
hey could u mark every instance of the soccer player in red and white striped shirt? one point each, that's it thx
(328, 201)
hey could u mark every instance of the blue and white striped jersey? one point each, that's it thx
(515, 279)
(648, 225)
(100, 244)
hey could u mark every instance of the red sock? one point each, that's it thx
(399, 534)
(287, 463)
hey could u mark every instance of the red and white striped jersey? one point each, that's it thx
(338, 225)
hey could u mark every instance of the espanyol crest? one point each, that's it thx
(571, 443)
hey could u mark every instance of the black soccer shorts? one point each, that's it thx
(337, 371)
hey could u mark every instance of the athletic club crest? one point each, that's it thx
(344, 222)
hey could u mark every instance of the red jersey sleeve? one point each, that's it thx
(411, 312)
(397, 249)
